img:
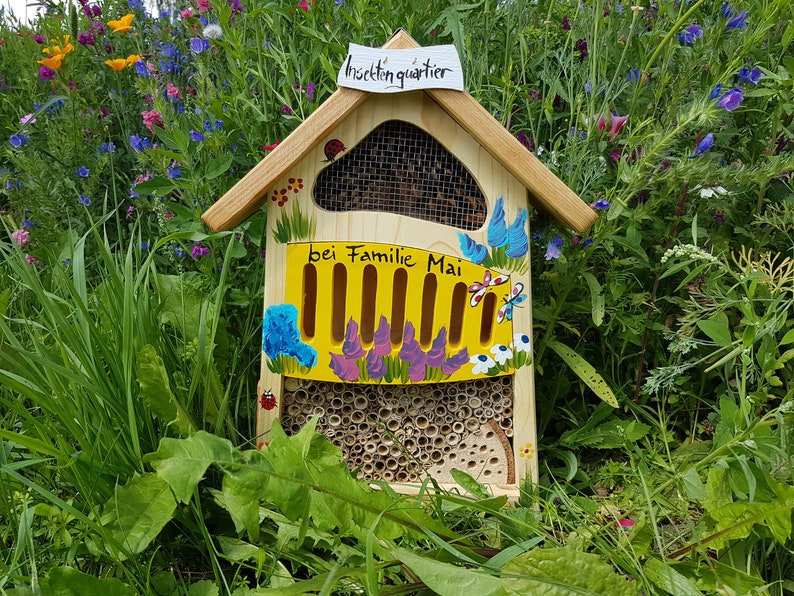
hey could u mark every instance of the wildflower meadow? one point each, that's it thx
(131, 336)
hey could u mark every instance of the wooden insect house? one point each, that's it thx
(397, 286)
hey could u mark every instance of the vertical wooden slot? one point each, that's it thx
(309, 309)
(458, 307)
(338, 300)
(428, 308)
(486, 323)
(399, 292)
(369, 290)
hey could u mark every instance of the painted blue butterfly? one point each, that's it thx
(516, 298)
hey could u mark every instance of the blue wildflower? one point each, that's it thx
(704, 145)
(750, 76)
(633, 76)
(737, 22)
(690, 34)
(139, 144)
(27, 223)
(715, 93)
(108, 147)
(497, 229)
(179, 251)
(82, 171)
(553, 248)
(586, 242)
(732, 99)
(199, 44)
(144, 245)
(727, 10)
(174, 170)
(196, 136)
(601, 203)
(84, 200)
(141, 69)
(518, 243)
(472, 250)
(18, 140)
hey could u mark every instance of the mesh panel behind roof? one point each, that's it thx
(399, 168)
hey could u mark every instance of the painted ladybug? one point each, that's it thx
(333, 148)
(267, 400)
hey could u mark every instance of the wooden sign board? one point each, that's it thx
(392, 71)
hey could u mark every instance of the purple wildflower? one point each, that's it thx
(18, 140)
(199, 250)
(86, 39)
(553, 248)
(566, 24)
(46, 73)
(82, 171)
(411, 351)
(704, 145)
(601, 203)
(750, 76)
(732, 99)
(21, 237)
(737, 22)
(690, 34)
(196, 136)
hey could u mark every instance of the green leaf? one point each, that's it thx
(563, 571)
(137, 513)
(693, 487)
(469, 483)
(596, 298)
(156, 391)
(788, 338)
(157, 186)
(242, 490)
(66, 581)
(585, 371)
(182, 463)
(218, 166)
(717, 330)
(668, 579)
(449, 580)
(203, 588)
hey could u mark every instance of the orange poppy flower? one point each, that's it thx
(133, 58)
(53, 62)
(117, 64)
(123, 24)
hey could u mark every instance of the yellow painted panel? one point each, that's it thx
(415, 351)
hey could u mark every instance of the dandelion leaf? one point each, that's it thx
(156, 391)
(449, 580)
(67, 581)
(563, 571)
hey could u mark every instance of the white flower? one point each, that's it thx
(521, 342)
(501, 353)
(706, 192)
(482, 363)
(212, 31)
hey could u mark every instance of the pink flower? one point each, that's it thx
(27, 119)
(172, 90)
(615, 124)
(187, 13)
(602, 122)
(21, 237)
(344, 368)
(203, 5)
(626, 523)
(152, 118)
(31, 260)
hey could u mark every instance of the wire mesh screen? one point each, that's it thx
(399, 168)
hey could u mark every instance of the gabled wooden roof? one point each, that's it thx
(546, 192)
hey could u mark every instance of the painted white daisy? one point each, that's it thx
(501, 353)
(521, 342)
(482, 363)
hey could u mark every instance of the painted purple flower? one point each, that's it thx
(690, 34)
(453, 363)
(411, 351)
(376, 368)
(737, 22)
(750, 76)
(416, 371)
(351, 347)
(382, 338)
(704, 145)
(732, 99)
(438, 350)
(553, 248)
(344, 368)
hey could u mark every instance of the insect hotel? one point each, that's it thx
(397, 278)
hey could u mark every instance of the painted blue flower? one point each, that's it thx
(497, 229)
(715, 93)
(750, 76)
(82, 171)
(690, 34)
(732, 99)
(280, 335)
(704, 145)
(518, 243)
(18, 140)
(472, 250)
(553, 248)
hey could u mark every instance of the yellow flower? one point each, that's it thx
(53, 62)
(123, 24)
(133, 58)
(117, 64)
